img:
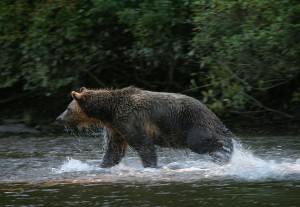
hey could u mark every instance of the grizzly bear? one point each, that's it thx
(143, 119)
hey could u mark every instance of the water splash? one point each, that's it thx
(73, 165)
(243, 166)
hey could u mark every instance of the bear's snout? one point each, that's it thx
(59, 119)
(66, 121)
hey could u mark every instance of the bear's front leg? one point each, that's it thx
(115, 151)
(147, 153)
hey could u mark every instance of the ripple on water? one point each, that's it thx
(243, 166)
(45, 159)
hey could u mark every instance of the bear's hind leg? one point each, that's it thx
(147, 153)
(224, 154)
(204, 143)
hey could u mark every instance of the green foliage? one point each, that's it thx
(296, 97)
(247, 48)
(161, 31)
(57, 43)
(236, 55)
(225, 92)
(61, 42)
(158, 29)
(12, 33)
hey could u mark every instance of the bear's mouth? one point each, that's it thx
(69, 127)
(82, 128)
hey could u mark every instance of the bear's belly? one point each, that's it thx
(170, 141)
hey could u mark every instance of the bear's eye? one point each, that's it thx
(68, 109)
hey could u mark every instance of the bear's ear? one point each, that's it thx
(76, 96)
(83, 89)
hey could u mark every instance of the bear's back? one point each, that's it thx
(175, 111)
(177, 104)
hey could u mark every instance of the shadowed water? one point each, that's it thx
(49, 170)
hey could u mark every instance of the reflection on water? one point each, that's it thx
(208, 193)
(57, 170)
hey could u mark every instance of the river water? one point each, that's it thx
(63, 170)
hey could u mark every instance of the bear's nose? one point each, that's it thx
(59, 119)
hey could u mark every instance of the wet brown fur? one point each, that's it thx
(143, 119)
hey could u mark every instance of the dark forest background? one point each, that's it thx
(241, 58)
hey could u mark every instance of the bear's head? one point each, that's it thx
(74, 117)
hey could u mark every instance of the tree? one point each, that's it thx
(249, 50)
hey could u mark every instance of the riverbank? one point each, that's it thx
(17, 126)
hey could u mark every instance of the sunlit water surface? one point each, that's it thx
(56, 170)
